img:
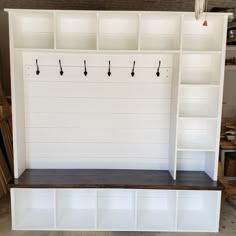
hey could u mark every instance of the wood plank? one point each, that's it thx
(5, 169)
(100, 178)
(8, 143)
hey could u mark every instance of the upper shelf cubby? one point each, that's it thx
(76, 31)
(118, 31)
(160, 31)
(33, 30)
(197, 37)
(201, 69)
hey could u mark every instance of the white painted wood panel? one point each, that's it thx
(149, 60)
(98, 74)
(96, 90)
(64, 135)
(86, 105)
(105, 120)
(97, 150)
(97, 163)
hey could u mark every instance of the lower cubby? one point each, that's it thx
(198, 211)
(156, 210)
(116, 209)
(33, 209)
(109, 209)
(76, 209)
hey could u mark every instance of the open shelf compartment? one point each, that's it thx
(198, 211)
(202, 69)
(34, 209)
(33, 30)
(197, 134)
(116, 209)
(118, 31)
(197, 37)
(156, 210)
(76, 209)
(198, 101)
(197, 161)
(160, 32)
(76, 31)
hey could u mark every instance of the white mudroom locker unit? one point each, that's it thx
(116, 120)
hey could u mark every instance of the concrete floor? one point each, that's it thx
(227, 225)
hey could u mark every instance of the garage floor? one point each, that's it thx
(227, 225)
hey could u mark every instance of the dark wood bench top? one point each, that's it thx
(101, 178)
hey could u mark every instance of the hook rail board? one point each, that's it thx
(126, 106)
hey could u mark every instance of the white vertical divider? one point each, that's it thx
(139, 30)
(181, 33)
(176, 210)
(96, 210)
(136, 210)
(223, 49)
(177, 64)
(17, 104)
(219, 205)
(98, 31)
(13, 208)
(55, 226)
(174, 115)
(55, 29)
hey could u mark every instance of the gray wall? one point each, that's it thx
(159, 5)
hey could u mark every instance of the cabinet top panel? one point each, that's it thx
(107, 178)
(113, 11)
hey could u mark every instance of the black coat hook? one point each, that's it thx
(61, 71)
(85, 69)
(158, 69)
(109, 69)
(37, 66)
(132, 73)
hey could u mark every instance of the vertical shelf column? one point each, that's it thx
(174, 115)
(225, 24)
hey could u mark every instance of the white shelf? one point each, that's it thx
(126, 210)
(33, 30)
(116, 209)
(156, 210)
(118, 31)
(197, 37)
(77, 219)
(201, 69)
(197, 211)
(36, 219)
(196, 149)
(159, 32)
(76, 31)
(198, 101)
(197, 161)
(76, 209)
(116, 219)
(34, 209)
(197, 134)
(192, 220)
